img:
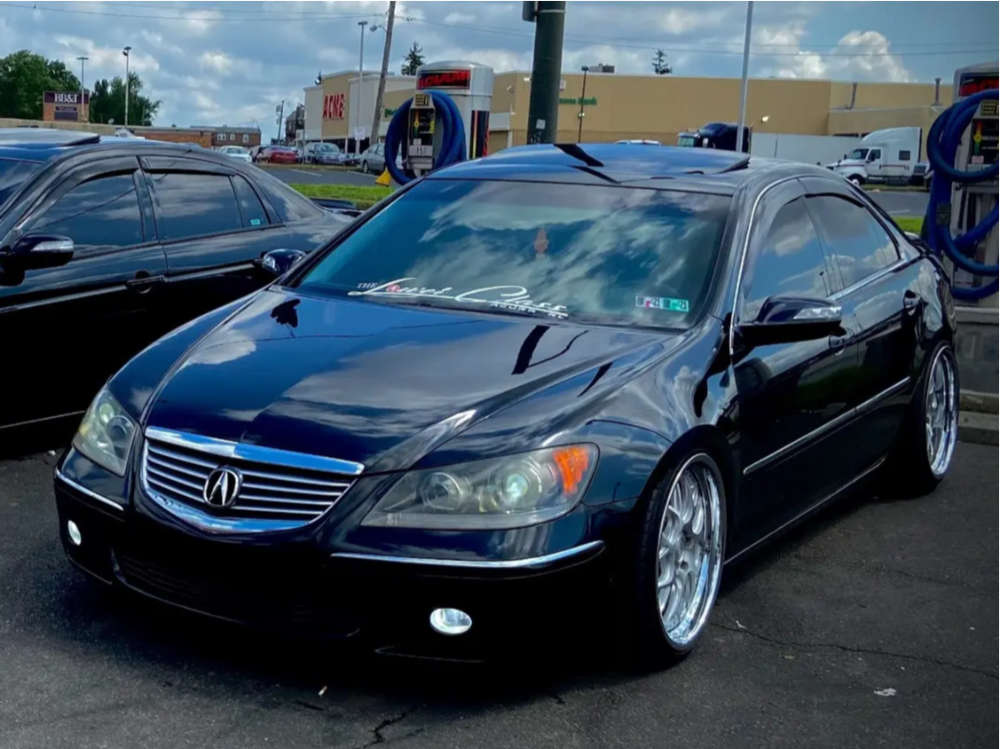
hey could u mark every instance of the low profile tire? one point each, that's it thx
(675, 572)
(926, 442)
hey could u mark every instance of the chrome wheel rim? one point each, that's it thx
(941, 413)
(689, 550)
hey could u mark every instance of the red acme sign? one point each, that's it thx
(333, 107)
(444, 79)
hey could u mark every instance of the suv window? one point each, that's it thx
(790, 261)
(189, 205)
(856, 242)
(101, 212)
(250, 205)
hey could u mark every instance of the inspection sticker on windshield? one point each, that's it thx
(663, 302)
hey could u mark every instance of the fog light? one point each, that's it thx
(73, 531)
(450, 621)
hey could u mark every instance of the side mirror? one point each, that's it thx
(791, 319)
(278, 262)
(41, 251)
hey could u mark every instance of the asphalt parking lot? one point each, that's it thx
(874, 624)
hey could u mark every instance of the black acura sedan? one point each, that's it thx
(107, 244)
(553, 376)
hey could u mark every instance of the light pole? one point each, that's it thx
(361, 80)
(743, 92)
(583, 94)
(82, 59)
(125, 52)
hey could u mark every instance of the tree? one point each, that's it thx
(24, 76)
(107, 102)
(660, 64)
(414, 59)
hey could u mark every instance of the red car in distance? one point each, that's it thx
(278, 155)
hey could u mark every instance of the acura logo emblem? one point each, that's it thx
(222, 487)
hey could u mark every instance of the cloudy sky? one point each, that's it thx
(231, 62)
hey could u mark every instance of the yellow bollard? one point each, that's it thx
(384, 179)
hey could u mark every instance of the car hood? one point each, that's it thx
(355, 379)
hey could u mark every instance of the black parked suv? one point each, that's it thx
(106, 244)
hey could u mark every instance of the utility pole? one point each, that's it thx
(281, 116)
(126, 53)
(743, 94)
(377, 119)
(546, 66)
(583, 95)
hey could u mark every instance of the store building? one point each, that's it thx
(341, 107)
(658, 107)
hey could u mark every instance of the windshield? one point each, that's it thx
(13, 173)
(323, 147)
(858, 153)
(579, 252)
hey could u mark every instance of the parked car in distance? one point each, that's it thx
(639, 142)
(323, 153)
(568, 387)
(236, 152)
(105, 246)
(373, 158)
(278, 155)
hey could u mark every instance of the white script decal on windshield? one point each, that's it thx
(514, 298)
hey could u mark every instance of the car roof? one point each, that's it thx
(82, 153)
(663, 167)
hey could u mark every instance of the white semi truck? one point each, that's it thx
(882, 156)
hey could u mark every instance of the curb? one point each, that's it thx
(979, 428)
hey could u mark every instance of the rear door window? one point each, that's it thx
(101, 212)
(191, 204)
(855, 240)
(250, 205)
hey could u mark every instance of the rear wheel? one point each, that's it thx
(678, 565)
(926, 443)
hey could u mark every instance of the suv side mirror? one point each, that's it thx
(278, 262)
(789, 319)
(41, 251)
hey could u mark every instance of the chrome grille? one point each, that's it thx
(176, 467)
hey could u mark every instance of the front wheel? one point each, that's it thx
(926, 443)
(856, 179)
(678, 565)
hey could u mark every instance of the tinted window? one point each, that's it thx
(188, 205)
(96, 213)
(790, 261)
(904, 155)
(290, 205)
(253, 211)
(583, 252)
(857, 243)
(13, 173)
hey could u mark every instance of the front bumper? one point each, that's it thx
(383, 601)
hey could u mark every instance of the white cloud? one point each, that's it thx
(459, 18)
(859, 56)
(682, 21)
(218, 62)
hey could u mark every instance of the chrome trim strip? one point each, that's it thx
(743, 255)
(256, 453)
(87, 492)
(832, 495)
(823, 428)
(527, 563)
(877, 275)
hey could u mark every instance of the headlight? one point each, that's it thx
(105, 434)
(506, 492)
